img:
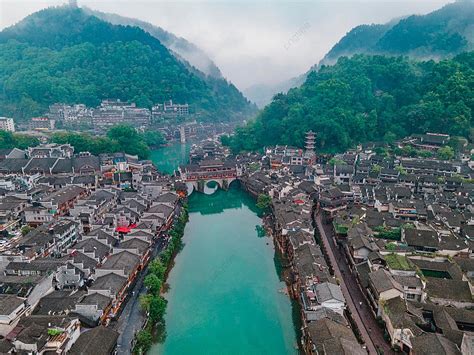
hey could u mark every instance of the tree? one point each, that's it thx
(425, 154)
(157, 268)
(157, 309)
(129, 140)
(446, 153)
(145, 301)
(264, 201)
(25, 230)
(144, 342)
(9, 140)
(376, 169)
(153, 284)
(401, 170)
(154, 138)
(336, 161)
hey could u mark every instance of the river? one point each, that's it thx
(225, 293)
(167, 159)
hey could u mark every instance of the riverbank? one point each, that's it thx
(153, 301)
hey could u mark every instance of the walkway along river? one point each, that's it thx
(225, 294)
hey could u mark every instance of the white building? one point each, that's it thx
(7, 124)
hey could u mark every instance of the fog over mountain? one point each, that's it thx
(250, 42)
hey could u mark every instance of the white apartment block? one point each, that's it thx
(7, 124)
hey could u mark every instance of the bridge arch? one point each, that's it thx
(211, 186)
(233, 183)
(190, 187)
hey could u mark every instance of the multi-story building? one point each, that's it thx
(42, 123)
(78, 113)
(7, 124)
(113, 112)
(50, 239)
(168, 109)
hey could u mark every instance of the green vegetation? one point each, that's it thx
(120, 138)
(176, 235)
(153, 283)
(391, 246)
(436, 273)
(367, 98)
(153, 138)
(153, 302)
(340, 228)
(25, 230)
(53, 332)
(399, 262)
(144, 342)
(376, 169)
(187, 52)
(410, 152)
(253, 166)
(261, 232)
(401, 170)
(436, 35)
(9, 140)
(388, 233)
(63, 54)
(446, 153)
(336, 161)
(264, 201)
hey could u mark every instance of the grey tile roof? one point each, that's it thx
(327, 291)
(331, 337)
(97, 341)
(123, 260)
(9, 303)
(110, 282)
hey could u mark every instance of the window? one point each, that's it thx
(410, 296)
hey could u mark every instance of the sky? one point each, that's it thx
(252, 42)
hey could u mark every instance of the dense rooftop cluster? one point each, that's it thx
(404, 225)
(76, 233)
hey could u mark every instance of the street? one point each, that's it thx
(132, 318)
(369, 329)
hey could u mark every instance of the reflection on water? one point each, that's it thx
(167, 159)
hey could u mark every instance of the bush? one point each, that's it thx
(388, 233)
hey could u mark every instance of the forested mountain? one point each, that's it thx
(439, 34)
(182, 48)
(63, 54)
(368, 98)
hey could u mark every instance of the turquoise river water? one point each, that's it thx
(225, 293)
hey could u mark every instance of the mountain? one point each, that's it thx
(183, 49)
(63, 54)
(368, 98)
(440, 34)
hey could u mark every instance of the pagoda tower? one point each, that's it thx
(310, 141)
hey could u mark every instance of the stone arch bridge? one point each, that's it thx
(209, 175)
